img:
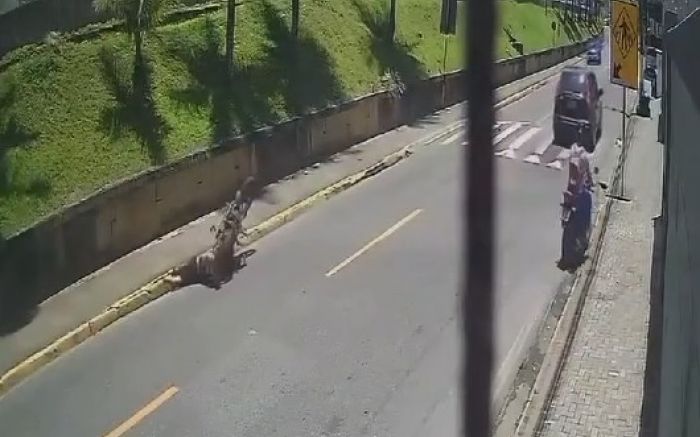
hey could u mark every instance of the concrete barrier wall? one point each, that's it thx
(86, 236)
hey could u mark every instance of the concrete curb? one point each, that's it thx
(165, 284)
(156, 288)
(542, 392)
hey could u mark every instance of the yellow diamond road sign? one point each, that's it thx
(624, 32)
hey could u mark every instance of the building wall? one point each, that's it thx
(679, 412)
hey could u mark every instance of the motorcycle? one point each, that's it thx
(576, 212)
(574, 241)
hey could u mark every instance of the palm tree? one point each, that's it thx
(230, 35)
(140, 17)
(295, 19)
(392, 20)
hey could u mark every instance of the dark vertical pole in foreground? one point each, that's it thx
(392, 20)
(230, 36)
(479, 230)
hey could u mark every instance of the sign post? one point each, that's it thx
(624, 54)
(448, 17)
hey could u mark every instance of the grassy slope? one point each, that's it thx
(66, 116)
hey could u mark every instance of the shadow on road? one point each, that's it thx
(239, 262)
(12, 320)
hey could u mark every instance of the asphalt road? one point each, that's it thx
(345, 321)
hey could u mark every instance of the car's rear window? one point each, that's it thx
(571, 106)
(572, 81)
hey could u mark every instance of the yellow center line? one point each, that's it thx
(369, 245)
(143, 412)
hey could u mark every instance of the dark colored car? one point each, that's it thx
(593, 55)
(577, 109)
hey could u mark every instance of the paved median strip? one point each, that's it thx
(373, 243)
(144, 412)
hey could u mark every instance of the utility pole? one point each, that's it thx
(624, 140)
(642, 98)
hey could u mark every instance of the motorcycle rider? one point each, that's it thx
(241, 204)
(579, 198)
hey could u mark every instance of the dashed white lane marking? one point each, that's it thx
(497, 125)
(372, 243)
(518, 143)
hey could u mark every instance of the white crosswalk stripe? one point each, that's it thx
(529, 142)
(522, 141)
(518, 143)
(506, 132)
(536, 156)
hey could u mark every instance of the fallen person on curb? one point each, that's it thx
(215, 266)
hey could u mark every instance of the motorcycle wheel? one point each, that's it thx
(581, 246)
(568, 243)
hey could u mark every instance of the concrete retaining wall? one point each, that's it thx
(84, 237)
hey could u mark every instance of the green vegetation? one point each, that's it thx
(71, 120)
